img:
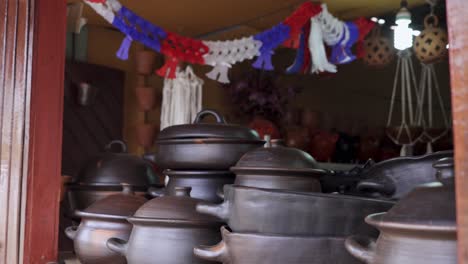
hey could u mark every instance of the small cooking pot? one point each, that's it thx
(237, 248)
(204, 146)
(254, 210)
(394, 178)
(166, 229)
(102, 220)
(102, 175)
(421, 228)
(206, 185)
(278, 167)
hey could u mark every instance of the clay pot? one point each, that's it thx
(145, 61)
(146, 134)
(146, 97)
(323, 146)
(264, 127)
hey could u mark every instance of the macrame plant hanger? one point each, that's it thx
(407, 132)
(429, 84)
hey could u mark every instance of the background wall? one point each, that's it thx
(356, 92)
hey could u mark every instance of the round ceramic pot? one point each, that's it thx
(165, 230)
(206, 185)
(278, 167)
(237, 248)
(104, 219)
(254, 210)
(421, 228)
(395, 178)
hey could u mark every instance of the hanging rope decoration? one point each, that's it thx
(303, 24)
(406, 132)
(378, 50)
(430, 45)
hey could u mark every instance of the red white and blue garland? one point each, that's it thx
(311, 23)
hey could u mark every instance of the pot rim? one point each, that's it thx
(80, 185)
(252, 235)
(287, 171)
(82, 214)
(173, 222)
(377, 221)
(219, 140)
(208, 173)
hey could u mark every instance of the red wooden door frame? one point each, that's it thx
(45, 133)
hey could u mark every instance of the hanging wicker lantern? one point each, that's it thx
(431, 45)
(378, 50)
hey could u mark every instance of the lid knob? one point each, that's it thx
(267, 139)
(127, 189)
(182, 191)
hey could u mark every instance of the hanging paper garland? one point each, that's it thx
(311, 56)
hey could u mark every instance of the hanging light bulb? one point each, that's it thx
(403, 37)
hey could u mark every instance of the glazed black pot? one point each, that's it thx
(103, 174)
(206, 185)
(237, 248)
(420, 229)
(254, 210)
(166, 229)
(102, 220)
(204, 146)
(394, 178)
(278, 167)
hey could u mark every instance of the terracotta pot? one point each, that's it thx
(323, 146)
(264, 127)
(146, 134)
(146, 97)
(145, 61)
(420, 229)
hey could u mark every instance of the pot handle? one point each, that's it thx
(117, 245)
(217, 253)
(219, 118)
(71, 232)
(361, 248)
(156, 191)
(374, 185)
(221, 210)
(122, 144)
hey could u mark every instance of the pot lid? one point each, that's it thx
(113, 168)
(220, 129)
(178, 207)
(121, 205)
(428, 207)
(276, 156)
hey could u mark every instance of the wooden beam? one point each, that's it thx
(45, 133)
(457, 21)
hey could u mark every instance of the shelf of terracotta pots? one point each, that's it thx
(145, 62)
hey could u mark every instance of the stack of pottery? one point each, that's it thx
(103, 175)
(199, 155)
(276, 213)
(420, 228)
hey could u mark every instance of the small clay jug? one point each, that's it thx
(146, 97)
(145, 61)
(146, 134)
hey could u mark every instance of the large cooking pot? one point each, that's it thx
(421, 228)
(206, 185)
(394, 178)
(278, 167)
(254, 210)
(102, 220)
(166, 229)
(102, 175)
(237, 248)
(204, 146)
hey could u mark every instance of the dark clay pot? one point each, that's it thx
(204, 146)
(394, 178)
(254, 210)
(165, 230)
(278, 167)
(237, 248)
(104, 219)
(420, 229)
(206, 185)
